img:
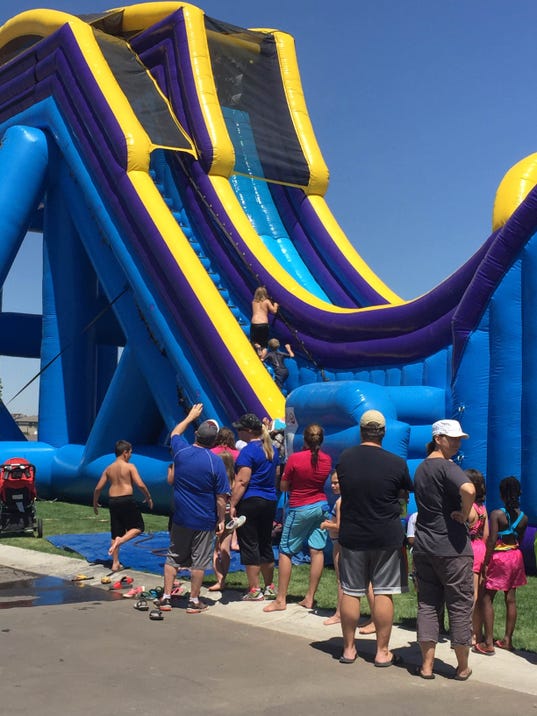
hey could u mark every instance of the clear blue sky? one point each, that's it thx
(419, 109)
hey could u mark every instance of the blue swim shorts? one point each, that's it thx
(301, 526)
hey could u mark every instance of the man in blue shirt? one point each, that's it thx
(200, 487)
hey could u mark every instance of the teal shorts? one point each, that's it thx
(301, 526)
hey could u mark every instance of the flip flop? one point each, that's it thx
(346, 660)
(419, 672)
(134, 592)
(122, 583)
(141, 605)
(394, 661)
(156, 615)
(478, 649)
(178, 591)
(106, 580)
(81, 578)
(501, 645)
(458, 677)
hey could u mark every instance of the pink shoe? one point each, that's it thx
(134, 592)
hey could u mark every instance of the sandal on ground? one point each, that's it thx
(122, 583)
(178, 591)
(134, 592)
(419, 672)
(156, 615)
(483, 649)
(141, 605)
(396, 660)
(81, 578)
(502, 645)
(459, 677)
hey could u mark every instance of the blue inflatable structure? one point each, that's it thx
(139, 143)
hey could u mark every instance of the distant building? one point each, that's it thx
(27, 425)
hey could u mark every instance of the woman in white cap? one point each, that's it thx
(443, 556)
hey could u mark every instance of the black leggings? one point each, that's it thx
(255, 536)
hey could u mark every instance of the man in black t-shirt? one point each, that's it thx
(372, 481)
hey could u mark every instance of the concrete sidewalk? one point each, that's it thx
(511, 670)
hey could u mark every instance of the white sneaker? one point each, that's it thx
(235, 523)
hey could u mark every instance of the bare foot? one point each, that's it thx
(115, 544)
(216, 587)
(275, 607)
(306, 605)
(367, 629)
(334, 619)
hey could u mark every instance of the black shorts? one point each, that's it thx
(255, 536)
(124, 515)
(259, 333)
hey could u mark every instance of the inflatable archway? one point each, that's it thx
(138, 142)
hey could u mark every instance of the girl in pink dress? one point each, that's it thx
(479, 532)
(503, 566)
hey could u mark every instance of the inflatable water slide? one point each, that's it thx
(169, 162)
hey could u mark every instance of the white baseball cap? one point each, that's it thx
(450, 428)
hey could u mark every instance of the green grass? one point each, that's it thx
(65, 518)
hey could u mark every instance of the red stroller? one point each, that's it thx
(17, 498)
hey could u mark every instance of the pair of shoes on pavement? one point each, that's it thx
(165, 605)
(257, 595)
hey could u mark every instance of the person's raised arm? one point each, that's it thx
(272, 307)
(289, 350)
(194, 413)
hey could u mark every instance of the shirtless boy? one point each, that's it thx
(126, 520)
(259, 325)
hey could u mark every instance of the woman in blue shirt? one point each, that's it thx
(254, 496)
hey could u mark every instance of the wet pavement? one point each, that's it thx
(91, 652)
(24, 589)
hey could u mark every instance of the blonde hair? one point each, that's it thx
(268, 447)
(260, 294)
(229, 464)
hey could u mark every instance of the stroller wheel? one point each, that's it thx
(39, 527)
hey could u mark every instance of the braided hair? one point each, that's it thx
(313, 439)
(510, 493)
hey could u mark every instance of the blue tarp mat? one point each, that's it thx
(139, 553)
